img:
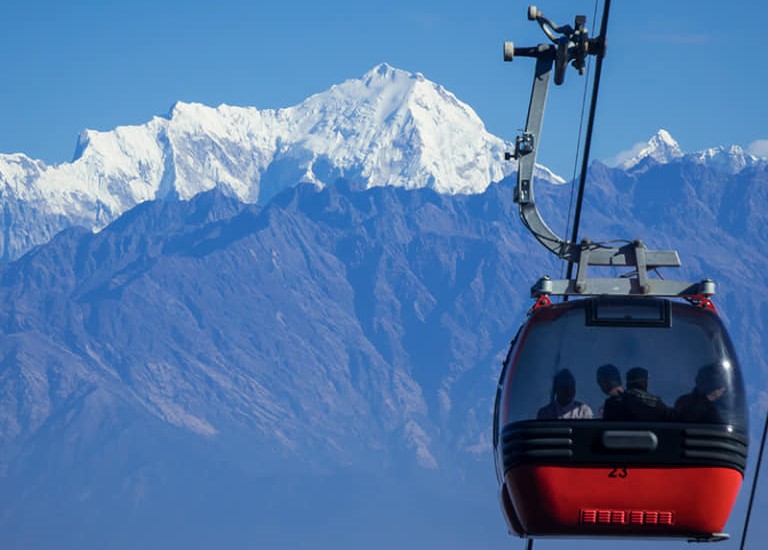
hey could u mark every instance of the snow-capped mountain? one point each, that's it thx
(390, 127)
(731, 160)
(661, 148)
(211, 372)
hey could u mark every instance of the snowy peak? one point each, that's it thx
(731, 160)
(409, 131)
(392, 98)
(385, 74)
(663, 145)
(662, 148)
(389, 127)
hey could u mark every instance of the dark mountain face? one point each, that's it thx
(334, 316)
(199, 373)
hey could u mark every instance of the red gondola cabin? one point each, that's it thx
(573, 459)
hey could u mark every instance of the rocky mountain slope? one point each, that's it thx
(297, 343)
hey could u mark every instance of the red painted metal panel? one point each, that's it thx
(658, 501)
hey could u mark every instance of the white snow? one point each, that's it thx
(390, 127)
(662, 148)
(731, 160)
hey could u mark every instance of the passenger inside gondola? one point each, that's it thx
(701, 404)
(564, 404)
(609, 380)
(637, 404)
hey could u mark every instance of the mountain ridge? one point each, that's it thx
(208, 369)
(192, 351)
(389, 127)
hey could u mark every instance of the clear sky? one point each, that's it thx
(692, 67)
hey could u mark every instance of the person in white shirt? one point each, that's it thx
(563, 404)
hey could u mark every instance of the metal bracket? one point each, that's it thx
(618, 286)
(523, 145)
(636, 283)
(569, 45)
(642, 267)
(573, 45)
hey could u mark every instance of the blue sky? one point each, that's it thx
(692, 68)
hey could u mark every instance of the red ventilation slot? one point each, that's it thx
(593, 516)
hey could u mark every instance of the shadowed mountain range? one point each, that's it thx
(204, 363)
(287, 331)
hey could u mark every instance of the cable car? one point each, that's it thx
(667, 461)
(621, 410)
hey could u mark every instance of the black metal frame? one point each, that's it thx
(597, 443)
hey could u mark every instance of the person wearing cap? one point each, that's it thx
(609, 380)
(637, 403)
(563, 404)
(700, 405)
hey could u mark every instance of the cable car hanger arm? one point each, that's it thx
(573, 46)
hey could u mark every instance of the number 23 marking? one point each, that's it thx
(618, 472)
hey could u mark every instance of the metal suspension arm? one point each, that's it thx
(527, 145)
(572, 47)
